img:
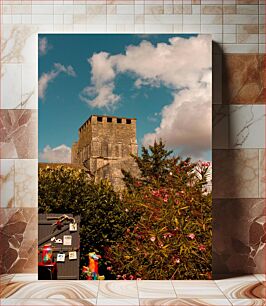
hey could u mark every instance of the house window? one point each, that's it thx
(128, 121)
(119, 120)
(109, 119)
(99, 119)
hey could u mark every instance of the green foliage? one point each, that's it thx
(172, 237)
(103, 218)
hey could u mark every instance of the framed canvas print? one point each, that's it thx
(125, 145)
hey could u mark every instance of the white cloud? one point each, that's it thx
(100, 93)
(44, 46)
(183, 65)
(60, 154)
(48, 77)
(186, 122)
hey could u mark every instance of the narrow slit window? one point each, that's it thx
(128, 121)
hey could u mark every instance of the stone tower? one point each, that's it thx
(104, 147)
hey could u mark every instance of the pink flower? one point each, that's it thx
(139, 278)
(155, 193)
(109, 268)
(202, 248)
(118, 276)
(191, 236)
(131, 277)
(152, 238)
(167, 235)
(177, 202)
(177, 260)
(206, 164)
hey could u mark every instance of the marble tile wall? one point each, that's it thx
(238, 31)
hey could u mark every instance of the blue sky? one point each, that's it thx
(137, 86)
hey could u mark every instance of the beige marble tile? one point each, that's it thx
(191, 19)
(10, 83)
(156, 289)
(260, 277)
(191, 28)
(163, 19)
(42, 9)
(18, 230)
(248, 29)
(42, 19)
(187, 9)
(229, 38)
(178, 9)
(7, 179)
(247, 126)
(247, 9)
(262, 170)
(96, 9)
(52, 290)
(240, 19)
(248, 302)
(211, 9)
(184, 302)
(117, 302)
(242, 288)
(197, 289)
(247, 2)
(195, 9)
(24, 277)
(4, 280)
(118, 290)
(120, 19)
(26, 183)
(19, 44)
(247, 38)
(229, 29)
(29, 87)
(229, 9)
(153, 9)
(211, 19)
(44, 302)
(18, 133)
(238, 231)
(243, 78)
(235, 173)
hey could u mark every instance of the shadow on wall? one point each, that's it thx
(239, 237)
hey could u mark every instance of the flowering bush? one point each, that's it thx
(171, 238)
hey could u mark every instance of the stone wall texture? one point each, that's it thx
(238, 31)
(104, 147)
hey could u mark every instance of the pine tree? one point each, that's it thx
(155, 164)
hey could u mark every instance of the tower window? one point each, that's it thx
(109, 119)
(99, 119)
(119, 120)
(128, 121)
